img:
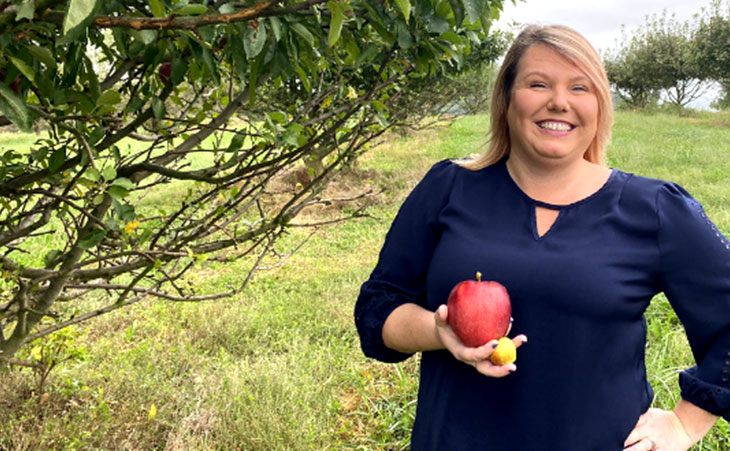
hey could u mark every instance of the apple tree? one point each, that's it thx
(660, 57)
(713, 46)
(211, 100)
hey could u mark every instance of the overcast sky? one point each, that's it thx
(600, 21)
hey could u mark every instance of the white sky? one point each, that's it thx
(601, 21)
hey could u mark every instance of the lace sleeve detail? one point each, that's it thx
(695, 267)
(712, 398)
(376, 301)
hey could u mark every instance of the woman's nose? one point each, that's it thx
(559, 100)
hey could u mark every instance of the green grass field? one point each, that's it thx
(279, 366)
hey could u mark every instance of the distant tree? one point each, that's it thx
(217, 98)
(630, 73)
(463, 88)
(660, 57)
(713, 46)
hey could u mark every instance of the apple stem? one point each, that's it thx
(479, 276)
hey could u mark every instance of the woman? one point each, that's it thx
(581, 249)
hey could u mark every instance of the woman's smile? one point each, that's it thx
(553, 109)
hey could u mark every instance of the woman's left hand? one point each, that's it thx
(658, 430)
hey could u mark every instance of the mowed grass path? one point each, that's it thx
(279, 367)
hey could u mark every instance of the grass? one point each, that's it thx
(278, 367)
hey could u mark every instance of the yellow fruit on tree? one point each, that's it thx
(504, 353)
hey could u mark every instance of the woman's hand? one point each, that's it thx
(476, 357)
(659, 430)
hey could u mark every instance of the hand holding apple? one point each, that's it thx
(478, 357)
(478, 314)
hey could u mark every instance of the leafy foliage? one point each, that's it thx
(660, 57)
(217, 101)
(713, 46)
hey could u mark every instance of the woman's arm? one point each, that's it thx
(411, 328)
(696, 421)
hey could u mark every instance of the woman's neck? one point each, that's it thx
(557, 183)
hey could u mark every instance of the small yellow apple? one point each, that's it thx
(504, 353)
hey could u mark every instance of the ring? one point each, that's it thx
(653, 443)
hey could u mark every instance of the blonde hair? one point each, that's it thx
(573, 46)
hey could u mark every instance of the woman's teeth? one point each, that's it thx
(557, 126)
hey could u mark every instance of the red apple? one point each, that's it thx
(15, 86)
(479, 311)
(165, 70)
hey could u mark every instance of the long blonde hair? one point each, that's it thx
(576, 49)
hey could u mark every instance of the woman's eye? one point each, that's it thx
(537, 85)
(580, 88)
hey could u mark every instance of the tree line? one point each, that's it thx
(673, 60)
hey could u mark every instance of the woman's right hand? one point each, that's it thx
(476, 357)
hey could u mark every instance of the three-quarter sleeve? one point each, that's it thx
(695, 276)
(400, 274)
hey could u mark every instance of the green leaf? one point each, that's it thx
(211, 64)
(473, 9)
(109, 97)
(117, 192)
(51, 257)
(438, 25)
(157, 8)
(135, 103)
(109, 173)
(124, 211)
(14, 108)
(178, 71)
(77, 14)
(485, 19)
(304, 78)
(277, 117)
(58, 157)
(405, 40)
(92, 80)
(302, 31)
(158, 107)
(25, 11)
(405, 7)
(254, 78)
(254, 40)
(293, 135)
(451, 37)
(338, 17)
(124, 183)
(458, 9)
(236, 142)
(275, 27)
(367, 55)
(91, 239)
(191, 10)
(23, 67)
(383, 32)
(92, 174)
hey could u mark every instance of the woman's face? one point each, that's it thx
(553, 110)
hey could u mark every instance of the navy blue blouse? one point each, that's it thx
(578, 292)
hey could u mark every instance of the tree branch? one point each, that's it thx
(174, 22)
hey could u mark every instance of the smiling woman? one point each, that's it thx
(582, 250)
